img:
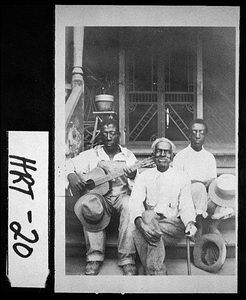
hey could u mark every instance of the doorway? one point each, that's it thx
(161, 94)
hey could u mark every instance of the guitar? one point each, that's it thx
(99, 182)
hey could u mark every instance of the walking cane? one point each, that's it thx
(188, 254)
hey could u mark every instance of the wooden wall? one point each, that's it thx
(219, 85)
(219, 99)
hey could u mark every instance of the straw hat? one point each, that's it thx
(222, 190)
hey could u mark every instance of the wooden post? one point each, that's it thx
(199, 76)
(77, 93)
(122, 95)
(77, 81)
(78, 37)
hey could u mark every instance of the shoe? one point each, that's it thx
(162, 271)
(129, 269)
(156, 272)
(92, 268)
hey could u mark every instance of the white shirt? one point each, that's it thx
(199, 165)
(88, 160)
(168, 192)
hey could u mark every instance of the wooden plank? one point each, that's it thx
(77, 80)
(78, 36)
(122, 96)
(72, 102)
(199, 77)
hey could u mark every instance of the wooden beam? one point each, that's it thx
(77, 93)
(78, 37)
(122, 96)
(199, 76)
(72, 102)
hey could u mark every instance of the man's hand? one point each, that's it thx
(190, 229)
(76, 184)
(223, 213)
(130, 173)
(152, 235)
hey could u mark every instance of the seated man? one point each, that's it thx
(161, 208)
(200, 165)
(221, 201)
(111, 157)
(209, 252)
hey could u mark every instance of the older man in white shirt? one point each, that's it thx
(161, 208)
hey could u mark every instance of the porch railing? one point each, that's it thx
(179, 97)
(150, 97)
(143, 97)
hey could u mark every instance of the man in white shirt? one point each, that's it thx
(200, 165)
(111, 157)
(161, 208)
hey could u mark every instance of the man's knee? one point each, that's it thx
(199, 197)
(125, 203)
(148, 216)
(198, 187)
(151, 218)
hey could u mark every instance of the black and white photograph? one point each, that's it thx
(146, 143)
(122, 149)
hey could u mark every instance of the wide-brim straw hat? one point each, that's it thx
(92, 212)
(222, 190)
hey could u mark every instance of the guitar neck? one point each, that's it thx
(114, 175)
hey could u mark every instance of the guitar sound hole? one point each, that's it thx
(90, 184)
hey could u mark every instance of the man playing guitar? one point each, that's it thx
(108, 158)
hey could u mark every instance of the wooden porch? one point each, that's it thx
(207, 96)
(176, 256)
(159, 109)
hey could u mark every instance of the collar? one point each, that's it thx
(123, 150)
(167, 172)
(191, 149)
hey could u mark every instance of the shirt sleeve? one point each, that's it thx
(78, 164)
(177, 162)
(72, 165)
(131, 160)
(186, 206)
(213, 168)
(69, 168)
(137, 198)
(81, 163)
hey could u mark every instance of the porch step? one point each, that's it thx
(75, 243)
(75, 247)
(224, 159)
(225, 162)
(76, 266)
(220, 171)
